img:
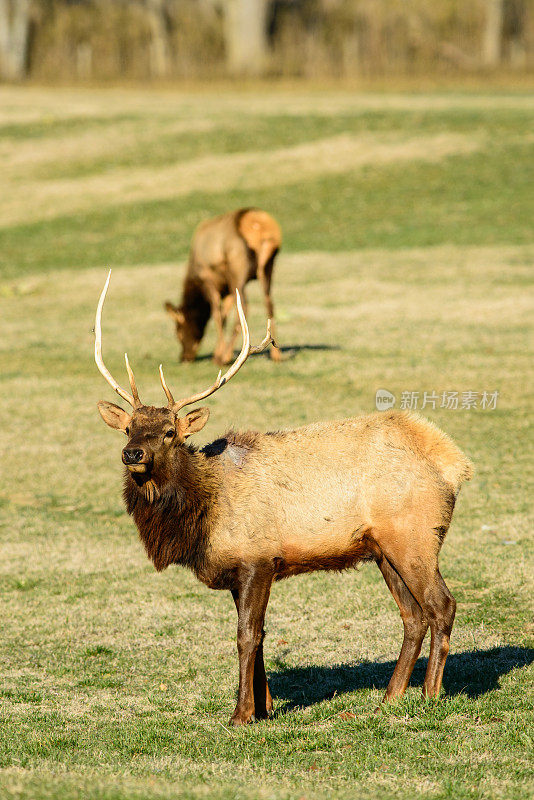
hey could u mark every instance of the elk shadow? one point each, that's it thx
(288, 351)
(473, 673)
(291, 350)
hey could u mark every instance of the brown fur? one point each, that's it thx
(252, 508)
(226, 253)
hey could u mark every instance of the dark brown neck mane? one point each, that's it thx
(196, 308)
(175, 527)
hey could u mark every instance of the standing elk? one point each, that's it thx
(252, 508)
(226, 253)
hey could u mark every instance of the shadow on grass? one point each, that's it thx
(288, 351)
(472, 673)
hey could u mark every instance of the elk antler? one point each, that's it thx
(246, 350)
(133, 398)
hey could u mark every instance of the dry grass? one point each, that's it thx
(27, 201)
(36, 104)
(22, 158)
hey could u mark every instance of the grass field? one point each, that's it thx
(407, 265)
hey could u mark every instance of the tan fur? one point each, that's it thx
(261, 233)
(219, 246)
(323, 495)
(226, 252)
(441, 450)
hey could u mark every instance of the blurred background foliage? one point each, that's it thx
(99, 40)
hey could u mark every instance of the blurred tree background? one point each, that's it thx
(86, 40)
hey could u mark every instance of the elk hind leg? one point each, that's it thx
(415, 628)
(266, 258)
(441, 606)
(419, 571)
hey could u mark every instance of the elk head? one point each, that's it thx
(189, 330)
(154, 434)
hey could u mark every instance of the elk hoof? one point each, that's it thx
(221, 359)
(239, 719)
(266, 713)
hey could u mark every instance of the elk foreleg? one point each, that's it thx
(227, 305)
(263, 702)
(253, 589)
(229, 348)
(216, 313)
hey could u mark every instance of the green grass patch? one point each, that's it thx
(252, 133)
(51, 125)
(415, 206)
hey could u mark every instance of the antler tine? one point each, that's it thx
(200, 396)
(98, 352)
(132, 381)
(266, 342)
(166, 389)
(246, 350)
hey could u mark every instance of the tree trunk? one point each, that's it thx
(245, 31)
(159, 55)
(492, 45)
(14, 34)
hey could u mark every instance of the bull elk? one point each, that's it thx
(226, 253)
(252, 508)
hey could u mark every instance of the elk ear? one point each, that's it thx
(175, 312)
(193, 422)
(114, 416)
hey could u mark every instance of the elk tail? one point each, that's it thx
(454, 466)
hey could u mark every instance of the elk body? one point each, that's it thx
(226, 253)
(252, 508)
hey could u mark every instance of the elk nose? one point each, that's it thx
(132, 455)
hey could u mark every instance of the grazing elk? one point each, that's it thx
(252, 508)
(226, 253)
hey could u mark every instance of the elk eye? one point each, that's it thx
(170, 434)
(127, 431)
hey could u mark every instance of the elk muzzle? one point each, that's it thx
(137, 459)
(189, 351)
